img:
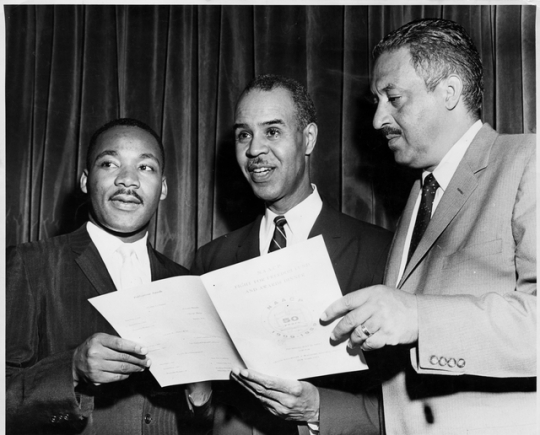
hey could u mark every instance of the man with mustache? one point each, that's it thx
(276, 132)
(67, 369)
(456, 318)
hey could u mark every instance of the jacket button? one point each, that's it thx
(442, 361)
(461, 363)
(53, 419)
(434, 360)
(451, 363)
(148, 419)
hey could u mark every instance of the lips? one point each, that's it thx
(126, 201)
(260, 172)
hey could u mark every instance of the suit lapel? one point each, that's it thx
(462, 185)
(89, 260)
(396, 251)
(248, 248)
(158, 269)
(326, 223)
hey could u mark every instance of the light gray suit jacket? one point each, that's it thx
(472, 370)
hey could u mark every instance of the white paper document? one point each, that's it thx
(269, 306)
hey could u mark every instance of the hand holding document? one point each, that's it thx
(268, 307)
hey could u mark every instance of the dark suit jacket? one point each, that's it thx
(48, 316)
(358, 253)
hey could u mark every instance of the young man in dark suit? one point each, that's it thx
(276, 131)
(67, 370)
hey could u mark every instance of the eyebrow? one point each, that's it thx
(115, 154)
(388, 87)
(272, 122)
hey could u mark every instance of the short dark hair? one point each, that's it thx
(124, 122)
(305, 109)
(439, 48)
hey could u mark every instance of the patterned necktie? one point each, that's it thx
(279, 240)
(424, 212)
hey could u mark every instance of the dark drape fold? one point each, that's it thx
(180, 69)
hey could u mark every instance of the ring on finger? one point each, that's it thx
(366, 331)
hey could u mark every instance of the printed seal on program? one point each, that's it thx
(289, 318)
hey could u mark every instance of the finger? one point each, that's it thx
(122, 345)
(350, 322)
(103, 370)
(266, 397)
(101, 353)
(345, 304)
(373, 342)
(362, 332)
(269, 382)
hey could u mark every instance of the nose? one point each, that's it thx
(257, 146)
(128, 177)
(381, 117)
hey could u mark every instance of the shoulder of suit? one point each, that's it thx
(514, 147)
(42, 247)
(178, 269)
(232, 238)
(357, 226)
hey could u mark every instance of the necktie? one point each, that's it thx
(279, 240)
(129, 273)
(424, 212)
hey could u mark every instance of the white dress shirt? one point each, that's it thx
(300, 221)
(443, 173)
(107, 246)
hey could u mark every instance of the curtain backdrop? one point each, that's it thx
(180, 69)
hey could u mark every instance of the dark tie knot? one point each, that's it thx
(280, 221)
(430, 183)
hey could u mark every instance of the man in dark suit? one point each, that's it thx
(456, 317)
(276, 131)
(67, 371)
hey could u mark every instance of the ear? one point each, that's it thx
(163, 188)
(83, 181)
(453, 90)
(310, 137)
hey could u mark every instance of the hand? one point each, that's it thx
(389, 315)
(199, 392)
(288, 399)
(104, 358)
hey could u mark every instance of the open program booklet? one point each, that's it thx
(262, 314)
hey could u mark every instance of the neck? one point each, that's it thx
(283, 205)
(124, 237)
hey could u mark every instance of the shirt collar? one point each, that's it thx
(107, 244)
(445, 170)
(299, 217)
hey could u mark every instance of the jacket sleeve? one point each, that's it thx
(491, 334)
(40, 395)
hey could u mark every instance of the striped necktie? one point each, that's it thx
(279, 240)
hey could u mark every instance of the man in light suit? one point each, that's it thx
(276, 131)
(456, 317)
(67, 371)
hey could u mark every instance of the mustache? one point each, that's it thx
(390, 130)
(252, 164)
(127, 192)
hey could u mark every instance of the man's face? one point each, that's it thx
(125, 181)
(271, 150)
(410, 117)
